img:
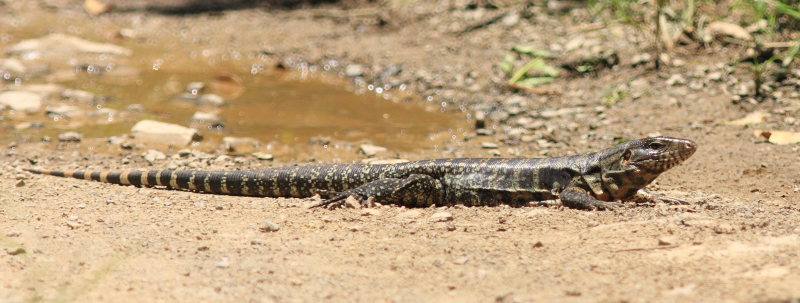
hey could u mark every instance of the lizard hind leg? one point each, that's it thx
(413, 191)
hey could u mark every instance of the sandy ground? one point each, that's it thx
(737, 241)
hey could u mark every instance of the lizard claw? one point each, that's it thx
(340, 199)
(644, 196)
(604, 206)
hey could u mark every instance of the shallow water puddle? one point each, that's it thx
(155, 83)
(270, 108)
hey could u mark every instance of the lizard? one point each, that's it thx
(591, 181)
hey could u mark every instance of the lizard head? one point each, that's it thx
(631, 166)
(656, 155)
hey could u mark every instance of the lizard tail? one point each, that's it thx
(216, 182)
(135, 178)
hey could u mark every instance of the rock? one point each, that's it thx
(263, 156)
(676, 79)
(152, 155)
(720, 28)
(68, 111)
(410, 214)
(442, 216)
(224, 263)
(371, 150)
(21, 101)
(27, 125)
(240, 144)
(195, 88)
(489, 145)
(155, 132)
(210, 99)
(510, 20)
(47, 91)
(480, 120)
(664, 241)
(81, 96)
(751, 118)
(13, 234)
(13, 66)
(270, 227)
(354, 70)
(54, 44)
(15, 251)
(352, 202)
(484, 132)
(640, 59)
(69, 137)
(207, 117)
(370, 212)
(715, 76)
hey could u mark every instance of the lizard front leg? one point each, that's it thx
(579, 198)
(416, 190)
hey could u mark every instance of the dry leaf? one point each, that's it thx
(95, 7)
(718, 28)
(779, 137)
(751, 118)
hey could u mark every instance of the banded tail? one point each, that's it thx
(238, 183)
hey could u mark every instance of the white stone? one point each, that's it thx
(372, 150)
(155, 132)
(21, 100)
(64, 44)
(13, 65)
(239, 143)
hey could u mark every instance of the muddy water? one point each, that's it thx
(272, 108)
(286, 108)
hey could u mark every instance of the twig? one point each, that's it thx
(481, 24)
(785, 44)
(646, 248)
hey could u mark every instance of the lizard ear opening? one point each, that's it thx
(626, 157)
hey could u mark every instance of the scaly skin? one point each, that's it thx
(588, 181)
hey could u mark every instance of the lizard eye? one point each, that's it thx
(655, 145)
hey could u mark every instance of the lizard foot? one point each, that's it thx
(334, 199)
(603, 206)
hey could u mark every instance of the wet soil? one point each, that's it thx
(737, 240)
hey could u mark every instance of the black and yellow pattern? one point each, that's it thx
(585, 181)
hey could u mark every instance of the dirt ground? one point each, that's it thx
(738, 240)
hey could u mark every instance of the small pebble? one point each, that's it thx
(489, 145)
(352, 202)
(664, 241)
(69, 137)
(224, 263)
(271, 227)
(354, 70)
(13, 233)
(442, 217)
(263, 156)
(371, 150)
